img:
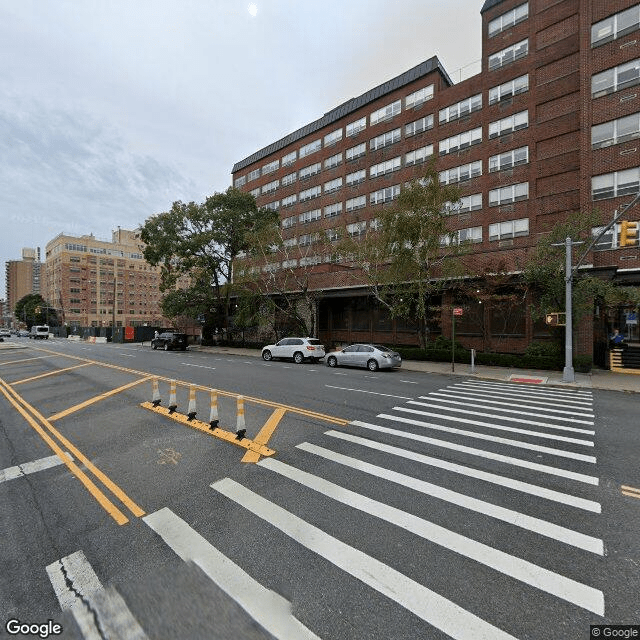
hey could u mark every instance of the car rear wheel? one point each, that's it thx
(332, 361)
(372, 365)
(266, 355)
(154, 346)
(298, 357)
(166, 346)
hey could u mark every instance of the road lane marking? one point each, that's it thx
(526, 572)
(199, 366)
(494, 478)
(126, 355)
(515, 518)
(409, 381)
(10, 473)
(375, 393)
(497, 427)
(265, 434)
(631, 492)
(50, 373)
(3, 364)
(483, 436)
(104, 502)
(102, 396)
(267, 608)
(100, 613)
(565, 473)
(431, 607)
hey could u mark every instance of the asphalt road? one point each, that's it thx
(398, 505)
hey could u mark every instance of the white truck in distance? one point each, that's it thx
(39, 332)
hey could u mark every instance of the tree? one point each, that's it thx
(408, 255)
(33, 309)
(202, 241)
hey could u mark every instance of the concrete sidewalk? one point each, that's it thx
(597, 379)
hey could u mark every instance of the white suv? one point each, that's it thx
(296, 349)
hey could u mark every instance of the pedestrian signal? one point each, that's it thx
(556, 319)
(628, 233)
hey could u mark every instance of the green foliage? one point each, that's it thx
(33, 309)
(547, 349)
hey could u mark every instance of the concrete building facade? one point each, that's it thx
(550, 126)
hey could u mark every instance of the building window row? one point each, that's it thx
(509, 229)
(461, 173)
(508, 19)
(615, 26)
(509, 194)
(509, 89)
(509, 54)
(471, 234)
(460, 109)
(460, 141)
(613, 185)
(615, 79)
(509, 159)
(615, 131)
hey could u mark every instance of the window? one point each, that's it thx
(472, 234)
(356, 203)
(610, 240)
(615, 26)
(253, 175)
(356, 152)
(273, 206)
(333, 185)
(417, 98)
(333, 137)
(255, 192)
(356, 177)
(289, 222)
(460, 109)
(612, 185)
(332, 235)
(289, 200)
(385, 195)
(509, 194)
(270, 187)
(615, 79)
(333, 161)
(615, 131)
(508, 19)
(308, 194)
(289, 264)
(418, 126)
(509, 159)
(309, 261)
(385, 113)
(309, 216)
(509, 229)
(418, 155)
(308, 238)
(310, 148)
(465, 204)
(356, 127)
(289, 159)
(385, 139)
(461, 173)
(309, 171)
(356, 229)
(508, 125)
(461, 141)
(384, 167)
(509, 89)
(271, 167)
(239, 182)
(289, 179)
(508, 55)
(333, 210)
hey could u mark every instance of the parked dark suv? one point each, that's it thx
(170, 340)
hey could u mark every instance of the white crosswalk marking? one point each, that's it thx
(11, 473)
(426, 604)
(518, 391)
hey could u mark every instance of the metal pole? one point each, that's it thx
(453, 341)
(568, 374)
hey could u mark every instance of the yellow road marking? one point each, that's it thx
(95, 399)
(245, 443)
(51, 373)
(265, 433)
(632, 492)
(104, 502)
(2, 364)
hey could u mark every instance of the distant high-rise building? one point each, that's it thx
(23, 277)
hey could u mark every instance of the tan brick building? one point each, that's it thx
(23, 277)
(549, 126)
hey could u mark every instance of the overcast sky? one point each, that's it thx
(110, 110)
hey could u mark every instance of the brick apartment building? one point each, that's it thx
(550, 126)
(22, 277)
(97, 283)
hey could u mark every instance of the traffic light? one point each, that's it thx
(628, 233)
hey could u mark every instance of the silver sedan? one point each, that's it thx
(371, 356)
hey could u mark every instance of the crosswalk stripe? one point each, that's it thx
(522, 570)
(535, 388)
(580, 477)
(520, 392)
(10, 473)
(431, 607)
(482, 397)
(497, 427)
(536, 525)
(266, 607)
(517, 485)
(481, 414)
(100, 613)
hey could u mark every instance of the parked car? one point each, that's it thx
(296, 349)
(23, 333)
(371, 356)
(5, 333)
(170, 340)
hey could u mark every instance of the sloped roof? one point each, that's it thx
(489, 4)
(424, 68)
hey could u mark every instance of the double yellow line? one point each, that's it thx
(41, 425)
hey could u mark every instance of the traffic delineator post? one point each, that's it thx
(191, 409)
(173, 405)
(155, 399)
(213, 414)
(240, 423)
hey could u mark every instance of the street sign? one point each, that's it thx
(457, 311)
